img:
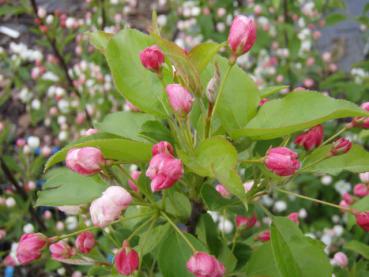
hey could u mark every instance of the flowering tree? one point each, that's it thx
(205, 142)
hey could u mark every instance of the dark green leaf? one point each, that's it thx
(359, 248)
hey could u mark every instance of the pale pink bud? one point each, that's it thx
(130, 107)
(340, 146)
(308, 83)
(30, 247)
(282, 161)
(85, 242)
(126, 260)
(361, 190)
(20, 142)
(362, 219)
(245, 222)
(162, 147)
(340, 259)
(364, 177)
(152, 58)
(222, 191)
(242, 35)
(135, 175)
(347, 198)
(61, 250)
(164, 171)
(248, 186)
(85, 160)
(344, 205)
(2, 234)
(10, 261)
(264, 236)
(362, 122)
(109, 206)
(294, 217)
(90, 132)
(311, 139)
(202, 264)
(179, 98)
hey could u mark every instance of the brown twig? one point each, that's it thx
(9, 175)
(197, 211)
(63, 63)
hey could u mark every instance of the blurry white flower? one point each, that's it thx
(280, 206)
(28, 228)
(10, 202)
(326, 180)
(225, 225)
(33, 142)
(342, 187)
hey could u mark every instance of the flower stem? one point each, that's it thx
(334, 136)
(350, 210)
(179, 231)
(140, 227)
(257, 161)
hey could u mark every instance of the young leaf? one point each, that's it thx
(125, 124)
(100, 39)
(262, 263)
(356, 160)
(237, 103)
(296, 111)
(271, 90)
(154, 239)
(139, 85)
(174, 254)
(64, 187)
(296, 254)
(203, 53)
(113, 148)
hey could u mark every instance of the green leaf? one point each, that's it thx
(154, 239)
(334, 18)
(227, 258)
(156, 131)
(139, 85)
(296, 254)
(99, 39)
(217, 158)
(356, 160)
(261, 263)
(242, 252)
(265, 92)
(113, 148)
(203, 53)
(175, 253)
(358, 247)
(178, 204)
(185, 69)
(213, 200)
(296, 111)
(238, 101)
(64, 187)
(207, 233)
(125, 124)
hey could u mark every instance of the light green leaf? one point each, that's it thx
(100, 39)
(356, 160)
(296, 111)
(139, 85)
(334, 18)
(216, 158)
(238, 101)
(64, 187)
(175, 253)
(203, 53)
(155, 237)
(125, 124)
(113, 148)
(358, 247)
(265, 92)
(296, 254)
(178, 204)
(261, 263)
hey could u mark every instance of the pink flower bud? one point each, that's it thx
(202, 264)
(340, 259)
(135, 175)
(30, 247)
(85, 242)
(263, 101)
(222, 191)
(164, 170)
(347, 198)
(126, 260)
(264, 236)
(245, 222)
(162, 147)
(344, 205)
(152, 58)
(9, 261)
(364, 177)
(61, 250)
(90, 132)
(340, 146)
(180, 99)
(130, 107)
(85, 160)
(294, 217)
(109, 206)
(311, 138)
(361, 190)
(362, 219)
(2, 234)
(282, 161)
(242, 35)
